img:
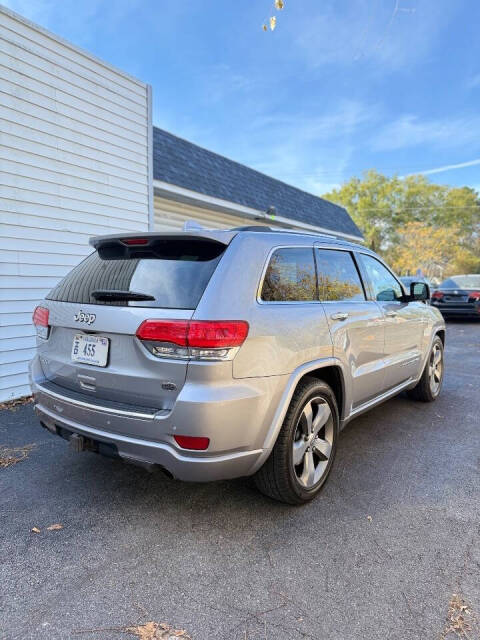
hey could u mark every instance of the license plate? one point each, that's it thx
(90, 349)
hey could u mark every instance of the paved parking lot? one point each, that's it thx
(380, 554)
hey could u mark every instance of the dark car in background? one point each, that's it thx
(458, 296)
(407, 281)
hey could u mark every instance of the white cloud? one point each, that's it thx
(220, 83)
(312, 152)
(410, 131)
(449, 167)
(37, 11)
(474, 82)
(84, 22)
(391, 35)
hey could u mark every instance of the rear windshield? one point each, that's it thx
(462, 282)
(175, 278)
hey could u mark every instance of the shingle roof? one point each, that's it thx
(187, 165)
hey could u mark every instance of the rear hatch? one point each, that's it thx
(95, 311)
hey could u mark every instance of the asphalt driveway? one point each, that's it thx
(391, 548)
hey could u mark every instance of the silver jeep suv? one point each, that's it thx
(218, 354)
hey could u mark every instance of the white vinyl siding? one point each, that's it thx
(74, 162)
(171, 216)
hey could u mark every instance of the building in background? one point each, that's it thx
(79, 157)
(193, 183)
(75, 152)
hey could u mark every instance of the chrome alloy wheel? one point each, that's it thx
(313, 441)
(435, 369)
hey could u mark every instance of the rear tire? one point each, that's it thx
(303, 455)
(430, 384)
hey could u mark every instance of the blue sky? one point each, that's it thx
(337, 88)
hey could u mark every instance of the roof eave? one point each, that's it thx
(182, 194)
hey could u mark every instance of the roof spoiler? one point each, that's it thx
(151, 245)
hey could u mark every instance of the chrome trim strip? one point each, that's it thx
(380, 398)
(95, 407)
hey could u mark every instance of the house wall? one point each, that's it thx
(170, 215)
(75, 161)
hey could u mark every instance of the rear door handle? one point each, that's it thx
(341, 315)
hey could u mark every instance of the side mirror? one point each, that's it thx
(387, 295)
(419, 291)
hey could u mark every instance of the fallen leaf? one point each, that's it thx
(146, 631)
(273, 22)
(55, 527)
(156, 631)
(12, 405)
(35, 530)
(10, 456)
(457, 623)
(279, 4)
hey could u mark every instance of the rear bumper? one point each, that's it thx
(236, 419)
(182, 467)
(472, 311)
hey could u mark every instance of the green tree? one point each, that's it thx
(390, 211)
(427, 248)
(382, 205)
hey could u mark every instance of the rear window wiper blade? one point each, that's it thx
(117, 294)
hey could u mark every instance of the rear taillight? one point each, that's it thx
(198, 443)
(193, 339)
(437, 295)
(40, 320)
(474, 295)
(217, 334)
(174, 331)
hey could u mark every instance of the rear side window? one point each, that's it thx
(290, 276)
(174, 277)
(338, 278)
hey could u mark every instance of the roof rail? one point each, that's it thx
(315, 234)
(253, 227)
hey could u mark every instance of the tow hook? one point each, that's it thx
(77, 443)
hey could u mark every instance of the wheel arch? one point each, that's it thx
(328, 369)
(333, 376)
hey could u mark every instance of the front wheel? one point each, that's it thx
(430, 384)
(302, 457)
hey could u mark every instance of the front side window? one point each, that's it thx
(385, 287)
(338, 278)
(290, 276)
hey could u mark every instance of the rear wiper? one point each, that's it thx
(117, 294)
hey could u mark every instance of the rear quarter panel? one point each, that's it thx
(282, 336)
